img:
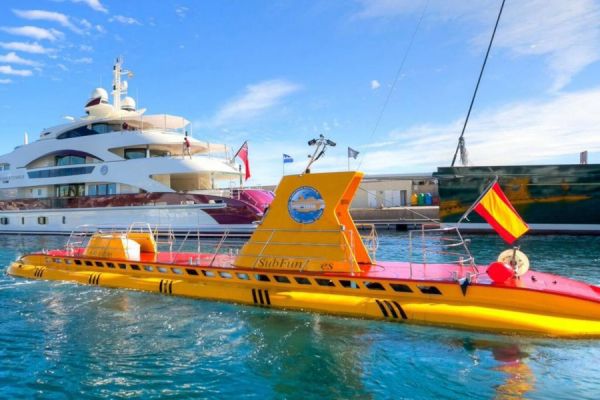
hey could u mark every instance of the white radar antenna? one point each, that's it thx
(119, 86)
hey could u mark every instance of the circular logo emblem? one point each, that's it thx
(104, 169)
(306, 205)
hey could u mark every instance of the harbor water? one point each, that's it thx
(63, 340)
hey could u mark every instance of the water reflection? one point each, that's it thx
(511, 361)
(323, 352)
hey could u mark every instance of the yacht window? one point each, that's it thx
(42, 220)
(159, 153)
(131, 154)
(73, 190)
(87, 130)
(4, 167)
(4, 220)
(53, 173)
(69, 160)
(102, 189)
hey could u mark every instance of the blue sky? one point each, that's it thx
(279, 73)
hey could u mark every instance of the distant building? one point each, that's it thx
(394, 190)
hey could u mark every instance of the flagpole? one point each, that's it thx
(238, 152)
(487, 189)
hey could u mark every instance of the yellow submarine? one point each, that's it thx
(315, 260)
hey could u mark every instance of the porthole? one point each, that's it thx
(429, 290)
(374, 286)
(262, 277)
(400, 287)
(281, 279)
(324, 282)
(349, 284)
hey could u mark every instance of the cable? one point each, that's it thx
(396, 78)
(461, 141)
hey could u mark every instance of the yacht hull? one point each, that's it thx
(179, 219)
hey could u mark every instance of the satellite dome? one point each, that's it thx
(128, 104)
(99, 93)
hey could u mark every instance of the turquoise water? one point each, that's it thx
(62, 340)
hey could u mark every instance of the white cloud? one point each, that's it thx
(82, 60)
(13, 58)
(375, 84)
(525, 132)
(181, 11)
(33, 48)
(34, 32)
(85, 47)
(256, 99)
(8, 70)
(42, 15)
(124, 20)
(565, 33)
(93, 4)
(5, 81)
(63, 67)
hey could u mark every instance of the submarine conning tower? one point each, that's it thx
(308, 227)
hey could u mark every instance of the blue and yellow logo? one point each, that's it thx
(306, 205)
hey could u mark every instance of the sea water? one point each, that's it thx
(64, 340)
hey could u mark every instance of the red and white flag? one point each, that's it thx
(242, 153)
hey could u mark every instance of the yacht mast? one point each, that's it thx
(119, 86)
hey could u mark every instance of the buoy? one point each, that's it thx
(516, 259)
(500, 272)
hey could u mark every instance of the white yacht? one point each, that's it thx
(116, 166)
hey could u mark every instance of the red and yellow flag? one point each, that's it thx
(495, 208)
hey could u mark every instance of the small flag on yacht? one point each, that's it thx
(496, 209)
(242, 153)
(287, 159)
(352, 153)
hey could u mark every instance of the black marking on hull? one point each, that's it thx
(382, 308)
(402, 313)
(258, 298)
(94, 279)
(391, 308)
(165, 286)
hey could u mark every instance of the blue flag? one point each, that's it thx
(352, 153)
(287, 159)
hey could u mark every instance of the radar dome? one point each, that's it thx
(99, 93)
(128, 104)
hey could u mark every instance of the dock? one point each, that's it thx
(397, 218)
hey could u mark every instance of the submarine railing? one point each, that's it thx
(225, 244)
(446, 249)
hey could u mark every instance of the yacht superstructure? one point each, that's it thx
(117, 165)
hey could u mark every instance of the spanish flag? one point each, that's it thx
(495, 208)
